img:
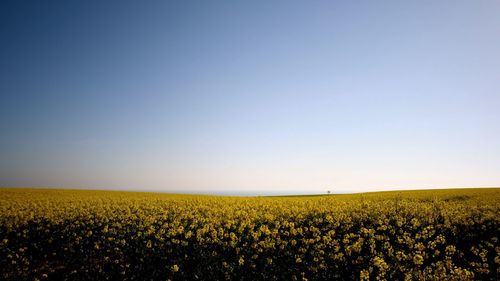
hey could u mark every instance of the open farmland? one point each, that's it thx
(106, 235)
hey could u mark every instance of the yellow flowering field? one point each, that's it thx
(107, 235)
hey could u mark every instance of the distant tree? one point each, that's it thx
(329, 192)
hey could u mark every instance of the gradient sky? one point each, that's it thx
(250, 97)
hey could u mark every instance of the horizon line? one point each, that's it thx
(238, 194)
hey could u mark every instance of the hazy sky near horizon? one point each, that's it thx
(250, 97)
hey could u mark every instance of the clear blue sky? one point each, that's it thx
(250, 97)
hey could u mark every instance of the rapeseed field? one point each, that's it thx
(106, 235)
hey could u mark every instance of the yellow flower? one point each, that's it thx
(418, 259)
(364, 275)
(175, 268)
